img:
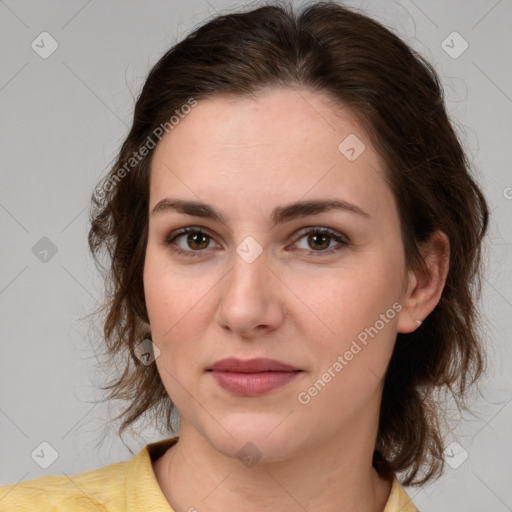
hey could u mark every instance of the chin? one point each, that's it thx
(255, 440)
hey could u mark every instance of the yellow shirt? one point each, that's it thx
(120, 487)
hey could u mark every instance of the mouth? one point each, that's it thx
(253, 377)
(251, 366)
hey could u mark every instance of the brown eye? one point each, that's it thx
(197, 240)
(318, 241)
(189, 241)
(193, 242)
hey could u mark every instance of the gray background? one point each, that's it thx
(62, 121)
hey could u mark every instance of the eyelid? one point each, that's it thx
(337, 236)
(169, 239)
(321, 229)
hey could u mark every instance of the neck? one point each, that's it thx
(330, 475)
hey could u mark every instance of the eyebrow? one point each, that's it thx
(279, 215)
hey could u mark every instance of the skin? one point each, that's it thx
(245, 156)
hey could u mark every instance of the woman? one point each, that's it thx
(294, 237)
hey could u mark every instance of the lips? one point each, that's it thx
(251, 366)
(253, 377)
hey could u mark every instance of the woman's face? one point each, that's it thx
(263, 282)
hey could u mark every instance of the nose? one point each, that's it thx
(251, 298)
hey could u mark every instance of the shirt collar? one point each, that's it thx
(144, 492)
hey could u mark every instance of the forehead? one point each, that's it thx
(276, 146)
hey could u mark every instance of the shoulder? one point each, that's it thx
(117, 487)
(399, 500)
(99, 489)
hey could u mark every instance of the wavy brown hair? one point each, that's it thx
(398, 98)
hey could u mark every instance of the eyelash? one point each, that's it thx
(169, 240)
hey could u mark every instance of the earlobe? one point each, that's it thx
(425, 285)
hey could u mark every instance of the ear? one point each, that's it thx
(424, 288)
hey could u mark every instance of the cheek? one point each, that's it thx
(353, 347)
(176, 300)
(171, 293)
(342, 302)
(350, 328)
